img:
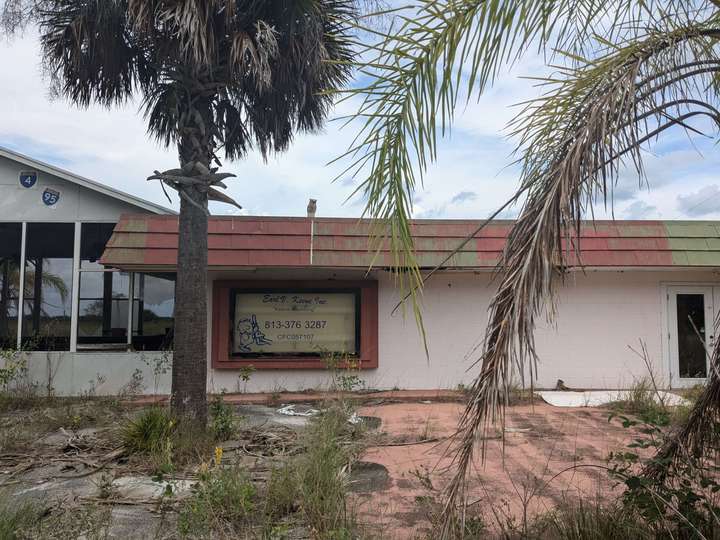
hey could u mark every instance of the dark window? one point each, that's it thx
(10, 241)
(103, 308)
(48, 286)
(692, 356)
(94, 237)
(154, 307)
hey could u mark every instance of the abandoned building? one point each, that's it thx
(93, 270)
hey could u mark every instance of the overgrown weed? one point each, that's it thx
(223, 502)
(25, 519)
(643, 401)
(168, 442)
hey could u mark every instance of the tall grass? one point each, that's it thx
(323, 474)
(16, 517)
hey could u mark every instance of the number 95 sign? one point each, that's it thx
(50, 197)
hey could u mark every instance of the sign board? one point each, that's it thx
(28, 179)
(294, 323)
(50, 197)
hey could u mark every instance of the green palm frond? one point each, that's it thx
(434, 54)
(629, 71)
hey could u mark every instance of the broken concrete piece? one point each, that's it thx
(142, 487)
(297, 410)
(596, 398)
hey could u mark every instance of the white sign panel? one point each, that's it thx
(294, 323)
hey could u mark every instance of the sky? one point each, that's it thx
(472, 177)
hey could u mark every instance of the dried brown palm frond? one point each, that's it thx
(575, 140)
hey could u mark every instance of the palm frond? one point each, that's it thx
(574, 140)
(87, 53)
(417, 70)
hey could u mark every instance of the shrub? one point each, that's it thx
(152, 433)
(684, 504)
(588, 520)
(148, 431)
(223, 501)
(223, 419)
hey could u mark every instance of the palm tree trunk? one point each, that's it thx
(189, 374)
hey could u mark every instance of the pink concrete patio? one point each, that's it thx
(540, 442)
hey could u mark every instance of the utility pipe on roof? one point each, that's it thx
(311, 209)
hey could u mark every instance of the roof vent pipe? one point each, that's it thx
(311, 209)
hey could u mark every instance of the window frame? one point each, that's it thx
(355, 291)
(4, 286)
(73, 282)
(77, 270)
(221, 349)
(117, 346)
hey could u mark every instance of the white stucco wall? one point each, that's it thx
(600, 314)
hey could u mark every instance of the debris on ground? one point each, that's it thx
(297, 410)
(597, 398)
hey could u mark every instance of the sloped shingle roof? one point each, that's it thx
(145, 241)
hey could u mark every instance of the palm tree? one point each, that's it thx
(213, 75)
(629, 70)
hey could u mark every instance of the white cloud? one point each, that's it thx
(639, 210)
(111, 146)
(703, 202)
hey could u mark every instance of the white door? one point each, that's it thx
(691, 336)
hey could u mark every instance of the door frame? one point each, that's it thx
(669, 335)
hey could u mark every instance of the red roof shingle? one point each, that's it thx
(143, 241)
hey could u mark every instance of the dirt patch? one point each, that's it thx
(369, 477)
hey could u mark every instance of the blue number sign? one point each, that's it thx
(50, 197)
(28, 179)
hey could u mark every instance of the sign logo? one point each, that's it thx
(28, 179)
(50, 197)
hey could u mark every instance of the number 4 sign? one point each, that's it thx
(28, 179)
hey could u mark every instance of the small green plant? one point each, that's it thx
(641, 400)
(685, 503)
(105, 487)
(223, 419)
(148, 430)
(160, 365)
(344, 371)
(152, 433)
(224, 500)
(134, 387)
(244, 376)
